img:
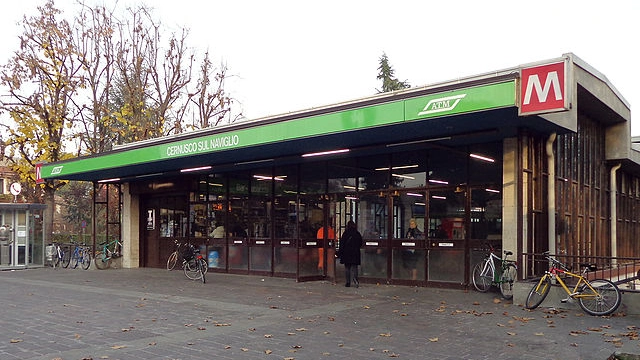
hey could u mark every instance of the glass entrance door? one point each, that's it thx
(15, 248)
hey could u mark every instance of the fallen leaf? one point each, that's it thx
(15, 341)
(435, 339)
(268, 336)
(202, 328)
(511, 333)
(539, 334)
(386, 335)
(296, 346)
(496, 301)
(116, 347)
(523, 319)
(244, 349)
(268, 352)
(227, 347)
(301, 329)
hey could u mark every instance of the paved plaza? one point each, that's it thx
(72, 314)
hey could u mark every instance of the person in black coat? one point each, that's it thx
(349, 253)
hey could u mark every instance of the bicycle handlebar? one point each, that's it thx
(555, 261)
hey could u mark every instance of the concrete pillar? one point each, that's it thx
(130, 228)
(510, 206)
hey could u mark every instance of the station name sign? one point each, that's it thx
(202, 145)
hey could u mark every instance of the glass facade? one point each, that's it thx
(420, 212)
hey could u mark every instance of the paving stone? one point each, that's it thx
(157, 314)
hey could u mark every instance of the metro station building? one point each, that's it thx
(532, 158)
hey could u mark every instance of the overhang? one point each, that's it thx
(477, 109)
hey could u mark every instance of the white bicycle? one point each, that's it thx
(486, 273)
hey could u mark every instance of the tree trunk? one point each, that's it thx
(49, 200)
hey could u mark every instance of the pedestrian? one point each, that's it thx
(410, 256)
(349, 253)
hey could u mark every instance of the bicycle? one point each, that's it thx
(81, 255)
(596, 297)
(194, 264)
(110, 250)
(60, 257)
(486, 274)
(175, 256)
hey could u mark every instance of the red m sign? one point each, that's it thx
(543, 89)
(39, 179)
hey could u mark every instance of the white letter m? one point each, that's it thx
(552, 79)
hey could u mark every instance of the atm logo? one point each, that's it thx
(441, 104)
(543, 89)
(56, 170)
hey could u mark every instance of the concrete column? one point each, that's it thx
(130, 228)
(551, 193)
(510, 206)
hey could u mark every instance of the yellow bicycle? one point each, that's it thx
(595, 297)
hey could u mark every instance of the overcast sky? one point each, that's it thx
(291, 55)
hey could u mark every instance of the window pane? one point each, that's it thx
(408, 169)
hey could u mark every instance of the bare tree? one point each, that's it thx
(93, 37)
(170, 78)
(212, 103)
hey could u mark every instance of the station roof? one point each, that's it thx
(477, 109)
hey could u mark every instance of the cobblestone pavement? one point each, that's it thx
(156, 314)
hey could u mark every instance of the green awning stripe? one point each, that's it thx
(425, 107)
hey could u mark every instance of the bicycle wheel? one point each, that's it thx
(604, 302)
(482, 276)
(538, 292)
(202, 267)
(57, 258)
(205, 265)
(191, 269)
(75, 259)
(86, 259)
(173, 259)
(66, 258)
(102, 261)
(509, 275)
